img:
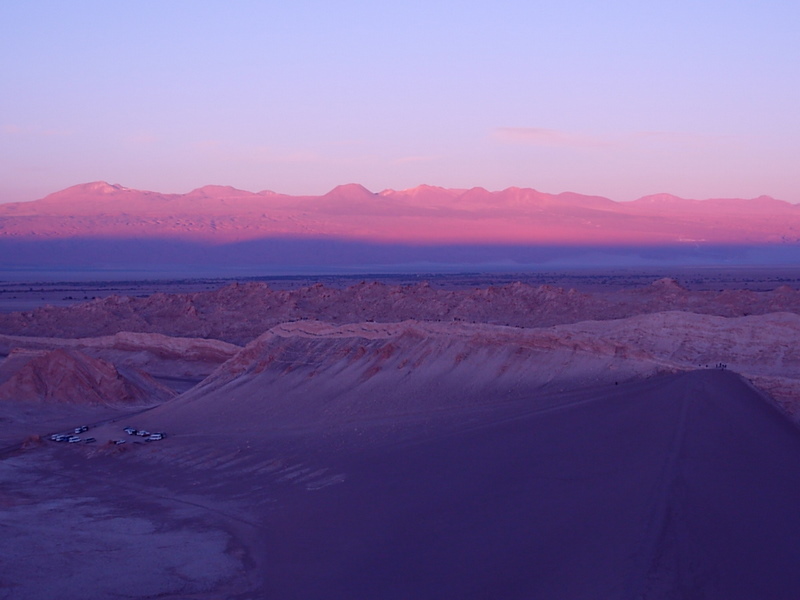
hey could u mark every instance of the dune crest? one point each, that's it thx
(297, 370)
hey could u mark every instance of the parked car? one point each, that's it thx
(130, 430)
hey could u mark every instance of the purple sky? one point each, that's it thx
(617, 98)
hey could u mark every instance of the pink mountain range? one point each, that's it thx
(424, 215)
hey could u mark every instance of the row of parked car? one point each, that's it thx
(148, 437)
(74, 436)
(66, 437)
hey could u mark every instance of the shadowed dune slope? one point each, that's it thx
(677, 486)
(313, 372)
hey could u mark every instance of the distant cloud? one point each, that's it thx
(679, 137)
(547, 137)
(536, 136)
(259, 154)
(266, 154)
(143, 138)
(415, 159)
(207, 145)
(11, 129)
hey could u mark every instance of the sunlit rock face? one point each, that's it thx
(70, 376)
(157, 354)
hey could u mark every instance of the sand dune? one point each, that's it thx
(314, 372)
(675, 486)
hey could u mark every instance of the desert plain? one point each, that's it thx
(579, 434)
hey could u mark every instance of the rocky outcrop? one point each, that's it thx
(238, 313)
(70, 376)
(155, 354)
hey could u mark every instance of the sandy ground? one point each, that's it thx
(72, 534)
(21, 421)
(679, 486)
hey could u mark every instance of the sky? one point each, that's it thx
(616, 98)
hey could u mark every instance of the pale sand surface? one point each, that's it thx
(676, 486)
(76, 533)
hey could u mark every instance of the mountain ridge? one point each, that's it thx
(217, 218)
